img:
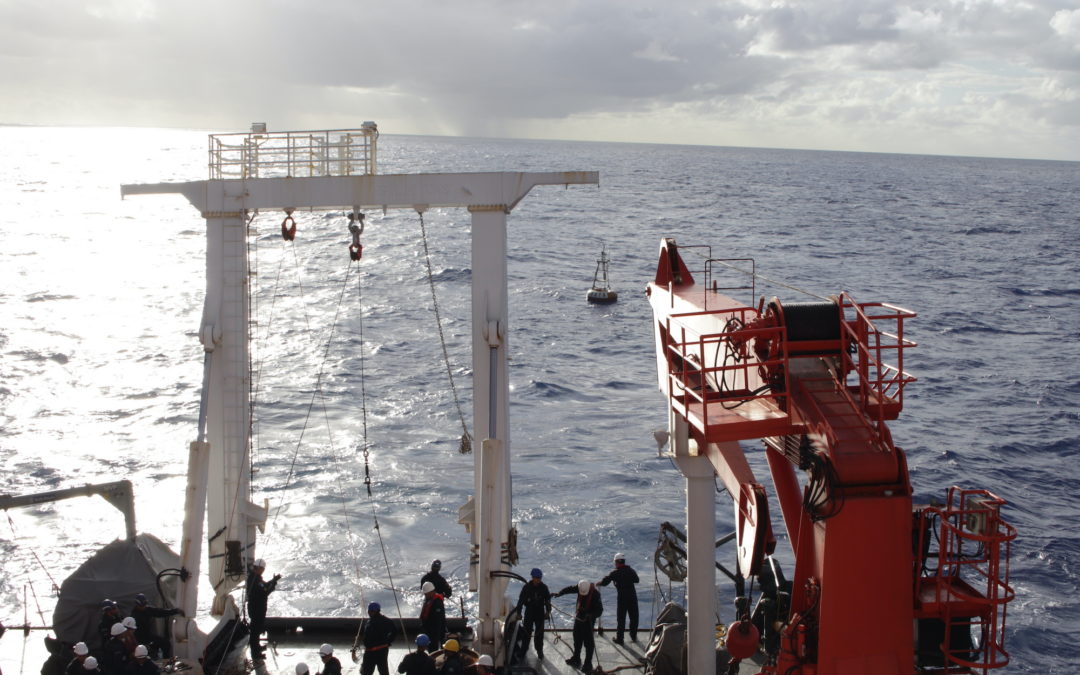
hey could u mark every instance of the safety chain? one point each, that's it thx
(465, 446)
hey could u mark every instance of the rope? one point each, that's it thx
(365, 445)
(315, 394)
(466, 440)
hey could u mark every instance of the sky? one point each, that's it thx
(997, 78)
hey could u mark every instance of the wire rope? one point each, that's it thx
(466, 440)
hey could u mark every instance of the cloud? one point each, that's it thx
(736, 72)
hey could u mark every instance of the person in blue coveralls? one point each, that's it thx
(626, 605)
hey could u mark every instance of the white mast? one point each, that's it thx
(320, 175)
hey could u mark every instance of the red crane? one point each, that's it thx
(817, 382)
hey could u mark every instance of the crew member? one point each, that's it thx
(378, 635)
(90, 666)
(626, 604)
(110, 614)
(442, 586)
(117, 656)
(128, 637)
(433, 614)
(451, 659)
(418, 662)
(535, 605)
(75, 667)
(146, 616)
(331, 665)
(588, 610)
(257, 593)
(483, 666)
(142, 665)
(302, 669)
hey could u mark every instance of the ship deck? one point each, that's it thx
(286, 649)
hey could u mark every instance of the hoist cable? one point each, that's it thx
(466, 439)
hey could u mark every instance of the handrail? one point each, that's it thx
(295, 154)
(977, 576)
(876, 380)
(706, 377)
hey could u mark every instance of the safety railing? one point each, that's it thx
(294, 154)
(873, 333)
(720, 369)
(969, 590)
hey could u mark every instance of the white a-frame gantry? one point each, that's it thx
(218, 473)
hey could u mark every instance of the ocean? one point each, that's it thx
(100, 366)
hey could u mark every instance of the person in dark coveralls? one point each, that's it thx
(378, 635)
(141, 664)
(433, 614)
(535, 605)
(452, 664)
(626, 605)
(589, 608)
(146, 616)
(257, 593)
(330, 663)
(75, 666)
(442, 586)
(418, 662)
(116, 655)
(110, 614)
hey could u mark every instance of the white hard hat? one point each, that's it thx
(117, 629)
(140, 651)
(90, 663)
(583, 587)
(260, 563)
(620, 556)
(326, 649)
(427, 587)
(129, 622)
(302, 669)
(81, 649)
(485, 660)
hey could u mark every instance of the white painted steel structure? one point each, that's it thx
(223, 454)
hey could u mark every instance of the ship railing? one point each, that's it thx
(874, 358)
(294, 154)
(729, 269)
(969, 589)
(716, 373)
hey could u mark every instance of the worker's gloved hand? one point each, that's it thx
(276, 577)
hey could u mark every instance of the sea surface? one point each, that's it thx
(100, 366)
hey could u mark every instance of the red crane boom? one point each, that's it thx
(817, 382)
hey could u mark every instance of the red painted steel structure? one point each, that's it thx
(818, 382)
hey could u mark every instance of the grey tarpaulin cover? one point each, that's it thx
(119, 571)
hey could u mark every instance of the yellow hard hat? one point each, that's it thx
(451, 645)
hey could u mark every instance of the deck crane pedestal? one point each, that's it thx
(873, 575)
